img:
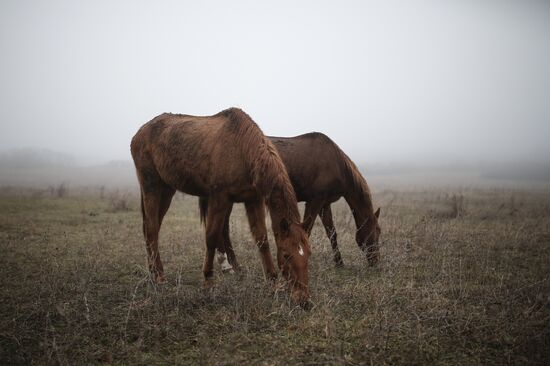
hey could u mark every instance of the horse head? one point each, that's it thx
(292, 256)
(367, 237)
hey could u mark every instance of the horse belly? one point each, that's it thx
(244, 195)
(329, 190)
(183, 180)
(192, 188)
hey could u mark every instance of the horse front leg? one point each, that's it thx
(255, 211)
(326, 218)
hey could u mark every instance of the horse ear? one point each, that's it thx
(285, 226)
(377, 213)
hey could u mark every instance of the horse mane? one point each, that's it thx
(355, 178)
(267, 170)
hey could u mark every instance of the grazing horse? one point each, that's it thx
(321, 173)
(227, 159)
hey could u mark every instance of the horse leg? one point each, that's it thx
(226, 254)
(150, 201)
(255, 211)
(228, 246)
(155, 200)
(215, 219)
(166, 195)
(312, 210)
(326, 218)
(165, 199)
(221, 249)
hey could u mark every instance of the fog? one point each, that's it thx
(434, 82)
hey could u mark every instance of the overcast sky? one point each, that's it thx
(389, 81)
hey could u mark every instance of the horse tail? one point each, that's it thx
(203, 209)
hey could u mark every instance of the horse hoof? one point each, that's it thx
(339, 264)
(373, 262)
(227, 268)
(160, 280)
(301, 298)
(208, 284)
(272, 279)
(228, 271)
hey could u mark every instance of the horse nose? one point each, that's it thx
(301, 298)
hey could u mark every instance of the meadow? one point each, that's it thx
(464, 279)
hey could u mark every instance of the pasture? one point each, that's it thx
(463, 279)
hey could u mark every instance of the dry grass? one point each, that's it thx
(463, 280)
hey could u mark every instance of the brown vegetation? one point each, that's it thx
(472, 289)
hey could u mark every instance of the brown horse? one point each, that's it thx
(321, 173)
(227, 159)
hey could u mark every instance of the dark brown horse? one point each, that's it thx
(227, 159)
(321, 173)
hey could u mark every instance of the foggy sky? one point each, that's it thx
(389, 81)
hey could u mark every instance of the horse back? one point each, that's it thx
(313, 164)
(193, 154)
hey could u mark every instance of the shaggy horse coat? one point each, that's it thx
(321, 173)
(227, 159)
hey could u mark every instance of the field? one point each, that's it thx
(464, 279)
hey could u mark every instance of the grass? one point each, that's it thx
(463, 280)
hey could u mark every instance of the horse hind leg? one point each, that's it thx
(228, 261)
(155, 199)
(310, 213)
(218, 208)
(226, 255)
(166, 196)
(151, 227)
(326, 218)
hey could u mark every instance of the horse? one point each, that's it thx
(225, 158)
(321, 173)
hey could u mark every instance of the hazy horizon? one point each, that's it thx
(423, 82)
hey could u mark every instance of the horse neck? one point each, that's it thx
(361, 208)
